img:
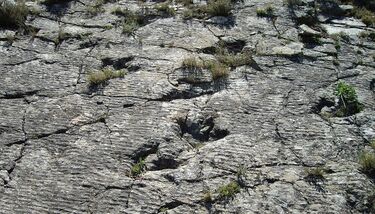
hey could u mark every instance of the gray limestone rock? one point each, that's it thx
(168, 138)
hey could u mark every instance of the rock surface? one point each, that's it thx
(66, 147)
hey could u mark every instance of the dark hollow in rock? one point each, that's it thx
(170, 205)
(150, 148)
(57, 7)
(323, 102)
(117, 64)
(235, 46)
(372, 85)
(201, 129)
(317, 181)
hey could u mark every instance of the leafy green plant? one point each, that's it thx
(229, 190)
(13, 15)
(348, 100)
(100, 77)
(138, 168)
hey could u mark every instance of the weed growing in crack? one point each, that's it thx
(218, 70)
(348, 100)
(138, 168)
(229, 190)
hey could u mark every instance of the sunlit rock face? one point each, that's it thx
(185, 107)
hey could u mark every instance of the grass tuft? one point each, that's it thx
(219, 7)
(100, 77)
(367, 161)
(266, 12)
(13, 15)
(138, 168)
(229, 190)
(165, 9)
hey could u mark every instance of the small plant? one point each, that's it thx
(367, 161)
(100, 77)
(192, 63)
(365, 15)
(348, 100)
(219, 7)
(218, 70)
(266, 12)
(235, 60)
(165, 9)
(132, 20)
(96, 8)
(193, 69)
(229, 190)
(194, 12)
(13, 15)
(129, 26)
(138, 168)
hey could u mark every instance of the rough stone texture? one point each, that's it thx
(66, 147)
